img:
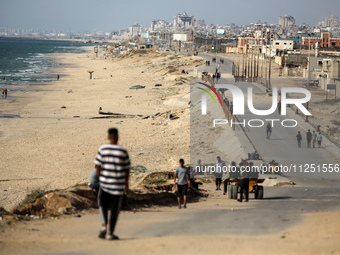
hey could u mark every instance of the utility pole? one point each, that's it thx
(262, 58)
(251, 60)
(257, 61)
(270, 59)
(308, 73)
(243, 67)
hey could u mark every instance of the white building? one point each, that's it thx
(331, 21)
(184, 21)
(180, 37)
(286, 21)
(135, 29)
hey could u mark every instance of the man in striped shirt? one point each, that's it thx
(113, 166)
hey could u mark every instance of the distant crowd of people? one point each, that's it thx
(312, 139)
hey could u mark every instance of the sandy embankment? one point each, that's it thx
(49, 147)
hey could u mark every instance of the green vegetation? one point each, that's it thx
(32, 197)
(173, 57)
(156, 181)
(139, 168)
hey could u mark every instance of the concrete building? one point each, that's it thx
(183, 21)
(330, 75)
(325, 40)
(245, 44)
(331, 21)
(331, 68)
(135, 29)
(146, 47)
(158, 25)
(283, 44)
(286, 21)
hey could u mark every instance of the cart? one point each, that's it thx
(254, 187)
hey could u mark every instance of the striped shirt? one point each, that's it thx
(114, 161)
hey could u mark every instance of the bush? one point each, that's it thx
(32, 197)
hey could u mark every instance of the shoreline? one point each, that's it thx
(56, 148)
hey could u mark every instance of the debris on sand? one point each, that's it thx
(151, 188)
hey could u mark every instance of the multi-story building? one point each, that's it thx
(135, 29)
(182, 21)
(325, 40)
(158, 25)
(286, 21)
(245, 44)
(331, 21)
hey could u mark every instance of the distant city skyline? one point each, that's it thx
(106, 15)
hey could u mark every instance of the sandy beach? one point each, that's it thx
(53, 143)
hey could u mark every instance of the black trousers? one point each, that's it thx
(218, 181)
(225, 184)
(244, 188)
(108, 202)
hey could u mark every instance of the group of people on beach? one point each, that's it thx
(312, 139)
(4, 92)
(111, 179)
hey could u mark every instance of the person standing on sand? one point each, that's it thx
(94, 180)
(299, 138)
(319, 139)
(112, 165)
(314, 137)
(183, 176)
(219, 165)
(309, 138)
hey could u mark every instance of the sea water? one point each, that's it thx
(24, 62)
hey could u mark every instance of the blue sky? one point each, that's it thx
(108, 15)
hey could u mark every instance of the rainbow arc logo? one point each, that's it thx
(209, 93)
(204, 98)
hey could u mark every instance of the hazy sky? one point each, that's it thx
(108, 15)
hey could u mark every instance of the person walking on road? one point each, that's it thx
(299, 139)
(279, 107)
(309, 138)
(183, 176)
(319, 139)
(314, 138)
(113, 167)
(219, 165)
(268, 130)
(244, 188)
